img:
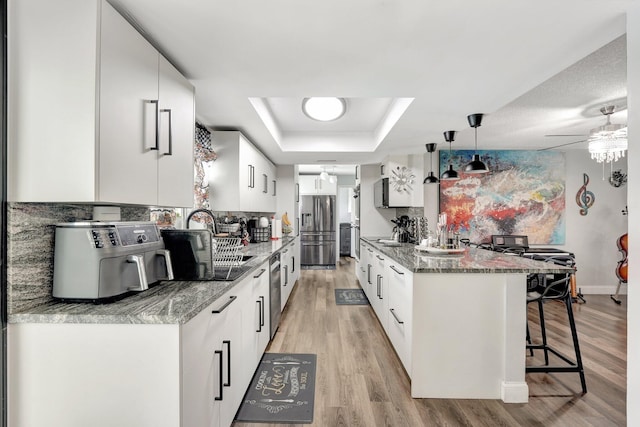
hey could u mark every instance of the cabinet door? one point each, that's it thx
(211, 347)
(127, 155)
(400, 284)
(308, 184)
(255, 318)
(327, 187)
(177, 124)
(250, 178)
(285, 280)
(381, 296)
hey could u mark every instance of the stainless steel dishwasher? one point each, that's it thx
(274, 292)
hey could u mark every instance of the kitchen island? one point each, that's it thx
(457, 322)
(180, 353)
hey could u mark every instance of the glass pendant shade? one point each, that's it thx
(476, 165)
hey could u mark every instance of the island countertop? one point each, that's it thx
(167, 302)
(473, 260)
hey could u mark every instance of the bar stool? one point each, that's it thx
(546, 287)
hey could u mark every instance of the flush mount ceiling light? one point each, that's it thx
(476, 165)
(324, 109)
(324, 175)
(608, 143)
(431, 178)
(450, 174)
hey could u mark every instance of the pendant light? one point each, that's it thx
(431, 178)
(450, 174)
(476, 165)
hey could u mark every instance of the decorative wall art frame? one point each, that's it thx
(523, 194)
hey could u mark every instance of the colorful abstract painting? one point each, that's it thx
(524, 193)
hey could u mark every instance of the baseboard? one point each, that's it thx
(514, 392)
(602, 290)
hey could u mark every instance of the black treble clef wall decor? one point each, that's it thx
(584, 197)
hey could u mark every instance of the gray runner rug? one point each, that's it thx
(281, 391)
(351, 297)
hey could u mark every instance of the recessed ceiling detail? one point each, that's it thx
(367, 123)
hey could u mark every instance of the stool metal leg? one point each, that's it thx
(576, 345)
(543, 330)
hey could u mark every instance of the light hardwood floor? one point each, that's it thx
(361, 382)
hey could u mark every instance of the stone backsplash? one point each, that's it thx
(30, 235)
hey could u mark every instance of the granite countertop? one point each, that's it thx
(473, 260)
(168, 302)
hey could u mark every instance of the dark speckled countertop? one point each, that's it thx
(473, 260)
(168, 302)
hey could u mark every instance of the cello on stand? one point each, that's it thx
(621, 269)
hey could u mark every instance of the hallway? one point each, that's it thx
(360, 381)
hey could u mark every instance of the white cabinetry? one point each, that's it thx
(312, 184)
(380, 299)
(161, 375)
(290, 261)
(242, 178)
(118, 124)
(400, 297)
(405, 180)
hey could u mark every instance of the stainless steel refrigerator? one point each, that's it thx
(318, 230)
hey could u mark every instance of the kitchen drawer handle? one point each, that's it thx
(228, 344)
(225, 305)
(170, 152)
(400, 322)
(260, 316)
(395, 269)
(220, 385)
(157, 124)
(262, 270)
(284, 251)
(262, 311)
(379, 257)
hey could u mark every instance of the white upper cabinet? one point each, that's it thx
(312, 184)
(101, 116)
(242, 178)
(405, 174)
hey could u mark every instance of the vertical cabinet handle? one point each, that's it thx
(293, 263)
(286, 276)
(228, 344)
(170, 152)
(297, 192)
(381, 170)
(259, 316)
(262, 311)
(156, 125)
(220, 388)
(369, 274)
(250, 175)
(274, 187)
(266, 183)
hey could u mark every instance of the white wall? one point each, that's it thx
(633, 298)
(374, 222)
(593, 237)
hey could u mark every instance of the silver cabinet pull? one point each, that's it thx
(400, 322)
(395, 269)
(260, 316)
(259, 274)
(266, 183)
(138, 260)
(274, 187)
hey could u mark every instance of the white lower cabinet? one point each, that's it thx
(157, 375)
(380, 299)
(290, 262)
(400, 292)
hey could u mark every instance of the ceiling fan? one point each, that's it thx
(607, 111)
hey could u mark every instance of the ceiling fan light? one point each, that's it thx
(324, 109)
(476, 165)
(608, 143)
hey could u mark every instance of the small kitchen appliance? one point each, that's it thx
(101, 261)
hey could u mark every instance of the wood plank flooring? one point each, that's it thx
(361, 382)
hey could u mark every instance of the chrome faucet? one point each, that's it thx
(208, 212)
